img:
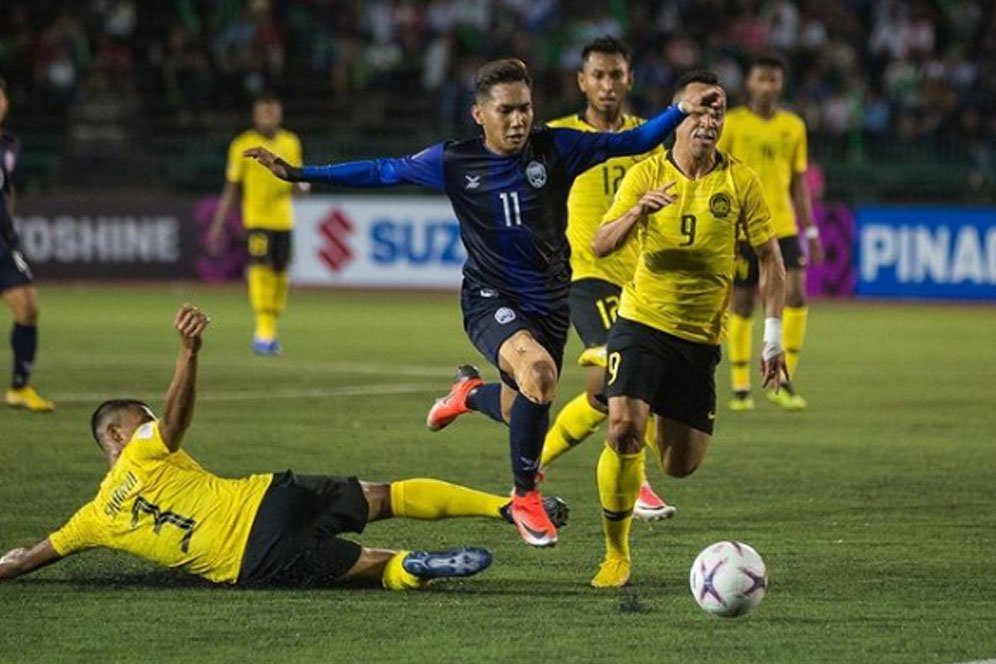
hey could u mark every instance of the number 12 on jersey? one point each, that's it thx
(513, 214)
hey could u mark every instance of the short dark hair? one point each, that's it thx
(496, 72)
(695, 76)
(772, 60)
(109, 409)
(266, 97)
(608, 45)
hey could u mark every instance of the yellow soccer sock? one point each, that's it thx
(575, 422)
(740, 338)
(794, 334)
(650, 438)
(396, 577)
(432, 500)
(619, 479)
(281, 285)
(261, 286)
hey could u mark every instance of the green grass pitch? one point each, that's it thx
(875, 509)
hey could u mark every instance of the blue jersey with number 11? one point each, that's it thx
(512, 209)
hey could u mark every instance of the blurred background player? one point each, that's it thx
(157, 503)
(16, 282)
(683, 210)
(509, 191)
(605, 78)
(772, 141)
(267, 214)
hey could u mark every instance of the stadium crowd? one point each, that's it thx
(880, 70)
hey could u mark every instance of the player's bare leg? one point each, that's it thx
(680, 448)
(23, 303)
(580, 418)
(621, 468)
(535, 373)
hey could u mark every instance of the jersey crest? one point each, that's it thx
(536, 174)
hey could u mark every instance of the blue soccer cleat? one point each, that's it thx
(465, 561)
(266, 346)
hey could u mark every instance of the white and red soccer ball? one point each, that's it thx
(728, 579)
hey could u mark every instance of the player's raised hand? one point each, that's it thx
(711, 100)
(190, 323)
(270, 161)
(658, 199)
(774, 371)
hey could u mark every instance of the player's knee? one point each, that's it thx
(378, 500)
(541, 383)
(26, 313)
(624, 436)
(681, 469)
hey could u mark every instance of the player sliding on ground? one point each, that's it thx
(682, 211)
(605, 78)
(509, 190)
(158, 503)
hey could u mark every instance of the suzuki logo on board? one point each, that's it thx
(334, 250)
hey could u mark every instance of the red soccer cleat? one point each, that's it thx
(651, 507)
(454, 404)
(531, 519)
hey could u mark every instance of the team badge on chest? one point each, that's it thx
(720, 205)
(536, 174)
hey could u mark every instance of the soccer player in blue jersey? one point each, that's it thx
(509, 190)
(16, 282)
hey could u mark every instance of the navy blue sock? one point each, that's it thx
(529, 424)
(24, 341)
(487, 399)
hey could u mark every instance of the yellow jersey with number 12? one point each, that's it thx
(162, 506)
(267, 202)
(590, 197)
(774, 148)
(684, 275)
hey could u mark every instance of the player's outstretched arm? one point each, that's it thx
(178, 410)
(424, 168)
(611, 236)
(772, 287)
(23, 560)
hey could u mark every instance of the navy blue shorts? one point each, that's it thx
(490, 320)
(14, 270)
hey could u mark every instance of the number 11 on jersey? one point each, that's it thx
(513, 215)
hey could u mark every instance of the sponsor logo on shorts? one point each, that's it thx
(473, 181)
(489, 292)
(504, 316)
(536, 174)
(720, 204)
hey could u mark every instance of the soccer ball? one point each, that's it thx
(728, 579)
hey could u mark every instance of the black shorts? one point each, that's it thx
(14, 270)
(269, 248)
(293, 538)
(675, 376)
(594, 304)
(490, 320)
(748, 273)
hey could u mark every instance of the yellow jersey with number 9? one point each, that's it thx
(162, 506)
(267, 202)
(684, 275)
(590, 197)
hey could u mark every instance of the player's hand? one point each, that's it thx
(190, 323)
(815, 251)
(709, 101)
(9, 562)
(774, 371)
(272, 162)
(657, 199)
